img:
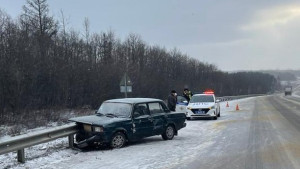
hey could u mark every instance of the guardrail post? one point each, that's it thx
(71, 140)
(21, 156)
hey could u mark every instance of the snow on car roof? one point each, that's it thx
(133, 100)
(203, 94)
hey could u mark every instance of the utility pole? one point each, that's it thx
(125, 85)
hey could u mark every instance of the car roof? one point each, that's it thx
(203, 94)
(133, 100)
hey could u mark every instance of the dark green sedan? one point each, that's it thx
(119, 121)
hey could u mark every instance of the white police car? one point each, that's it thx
(181, 104)
(203, 105)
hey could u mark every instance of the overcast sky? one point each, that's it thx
(232, 34)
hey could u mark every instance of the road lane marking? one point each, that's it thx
(290, 100)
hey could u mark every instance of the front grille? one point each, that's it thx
(196, 111)
(87, 127)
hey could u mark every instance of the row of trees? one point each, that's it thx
(44, 65)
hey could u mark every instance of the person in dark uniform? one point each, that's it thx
(187, 94)
(172, 100)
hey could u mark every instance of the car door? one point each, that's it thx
(181, 104)
(159, 117)
(142, 121)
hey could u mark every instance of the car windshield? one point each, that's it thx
(181, 99)
(202, 98)
(115, 109)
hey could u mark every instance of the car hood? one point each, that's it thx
(202, 105)
(97, 120)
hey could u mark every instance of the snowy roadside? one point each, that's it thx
(151, 152)
(38, 120)
(296, 94)
(296, 90)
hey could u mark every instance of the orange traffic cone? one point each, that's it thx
(227, 105)
(237, 107)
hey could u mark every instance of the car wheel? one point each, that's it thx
(169, 133)
(118, 140)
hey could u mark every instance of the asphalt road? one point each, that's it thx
(265, 134)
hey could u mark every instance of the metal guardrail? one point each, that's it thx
(228, 98)
(19, 143)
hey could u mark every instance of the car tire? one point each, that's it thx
(118, 140)
(168, 133)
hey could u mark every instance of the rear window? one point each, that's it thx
(202, 98)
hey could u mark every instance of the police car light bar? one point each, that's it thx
(209, 92)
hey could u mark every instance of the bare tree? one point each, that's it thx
(40, 68)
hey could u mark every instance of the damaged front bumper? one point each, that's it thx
(93, 140)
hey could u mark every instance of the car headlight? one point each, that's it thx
(98, 129)
(189, 108)
(213, 107)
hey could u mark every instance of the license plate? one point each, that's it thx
(199, 112)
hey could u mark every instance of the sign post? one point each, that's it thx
(125, 85)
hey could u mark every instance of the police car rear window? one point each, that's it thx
(202, 98)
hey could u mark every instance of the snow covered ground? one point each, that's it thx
(152, 152)
(296, 89)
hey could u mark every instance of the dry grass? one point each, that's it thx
(15, 123)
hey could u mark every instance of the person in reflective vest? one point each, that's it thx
(187, 94)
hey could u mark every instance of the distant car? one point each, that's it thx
(121, 120)
(288, 90)
(203, 105)
(181, 104)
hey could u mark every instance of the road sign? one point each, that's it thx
(124, 88)
(125, 81)
(125, 85)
